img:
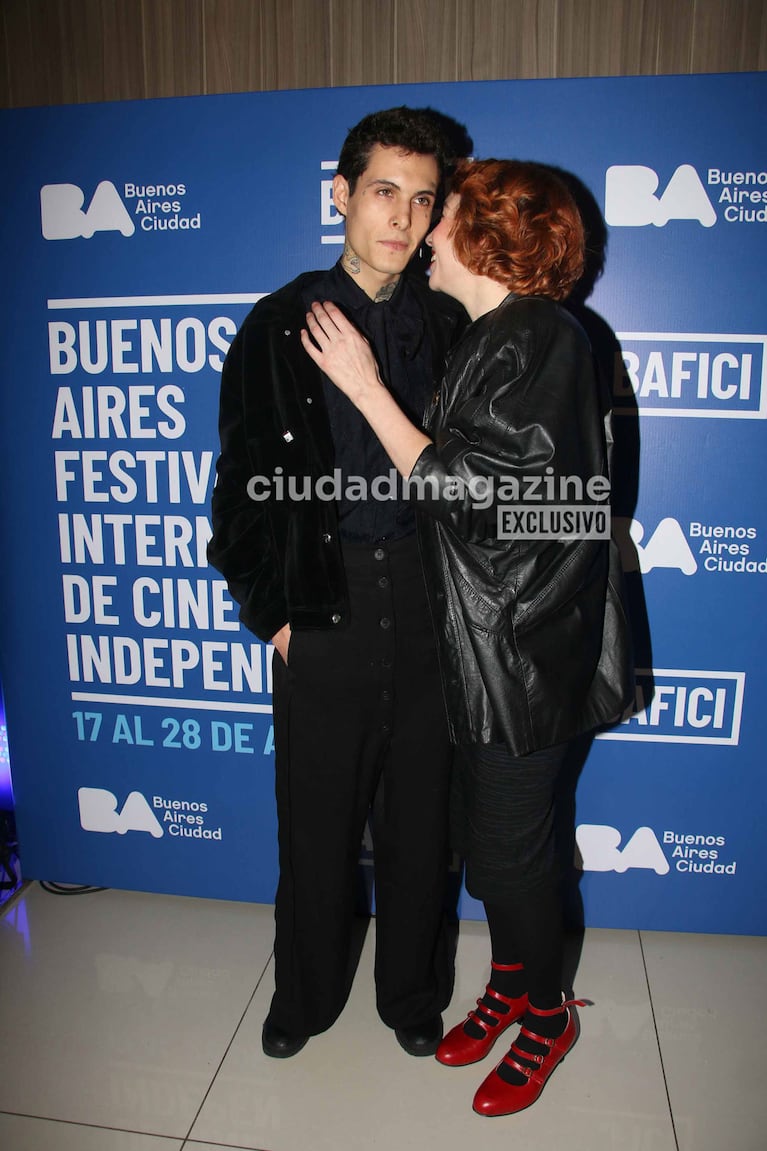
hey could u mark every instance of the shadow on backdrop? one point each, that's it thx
(625, 463)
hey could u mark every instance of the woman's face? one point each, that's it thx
(446, 272)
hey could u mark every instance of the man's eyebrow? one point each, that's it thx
(394, 184)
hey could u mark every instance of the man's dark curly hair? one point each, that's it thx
(420, 130)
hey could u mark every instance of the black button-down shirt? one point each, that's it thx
(398, 335)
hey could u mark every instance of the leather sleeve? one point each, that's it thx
(529, 410)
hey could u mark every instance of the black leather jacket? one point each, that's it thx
(282, 558)
(533, 637)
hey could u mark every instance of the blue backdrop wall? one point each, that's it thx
(135, 237)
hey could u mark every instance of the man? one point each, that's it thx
(331, 575)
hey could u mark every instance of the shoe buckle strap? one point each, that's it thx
(520, 1051)
(528, 1072)
(556, 1010)
(507, 999)
(476, 1017)
(506, 966)
(544, 1040)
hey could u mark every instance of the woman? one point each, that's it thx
(533, 639)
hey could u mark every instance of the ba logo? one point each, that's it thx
(599, 849)
(630, 200)
(98, 812)
(330, 216)
(667, 547)
(63, 218)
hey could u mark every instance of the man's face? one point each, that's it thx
(387, 215)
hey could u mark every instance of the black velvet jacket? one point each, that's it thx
(282, 558)
(533, 637)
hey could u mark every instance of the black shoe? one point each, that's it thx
(422, 1039)
(278, 1044)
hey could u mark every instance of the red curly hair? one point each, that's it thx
(518, 224)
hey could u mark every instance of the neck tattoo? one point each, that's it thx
(351, 260)
(385, 293)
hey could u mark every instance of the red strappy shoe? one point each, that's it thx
(497, 1097)
(458, 1049)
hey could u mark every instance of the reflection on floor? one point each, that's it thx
(132, 1022)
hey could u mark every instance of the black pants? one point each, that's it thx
(502, 817)
(359, 716)
(503, 820)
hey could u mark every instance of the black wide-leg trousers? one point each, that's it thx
(360, 725)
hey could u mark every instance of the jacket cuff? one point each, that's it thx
(430, 476)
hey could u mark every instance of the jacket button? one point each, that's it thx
(326, 538)
(379, 554)
(335, 618)
(385, 622)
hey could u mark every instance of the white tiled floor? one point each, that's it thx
(132, 1022)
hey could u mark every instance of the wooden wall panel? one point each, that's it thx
(753, 48)
(267, 47)
(173, 47)
(232, 37)
(507, 39)
(81, 39)
(362, 41)
(640, 32)
(761, 57)
(727, 37)
(124, 75)
(6, 96)
(675, 37)
(426, 38)
(589, 37)
(58, 51)
(32, 54)
(295, 43)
